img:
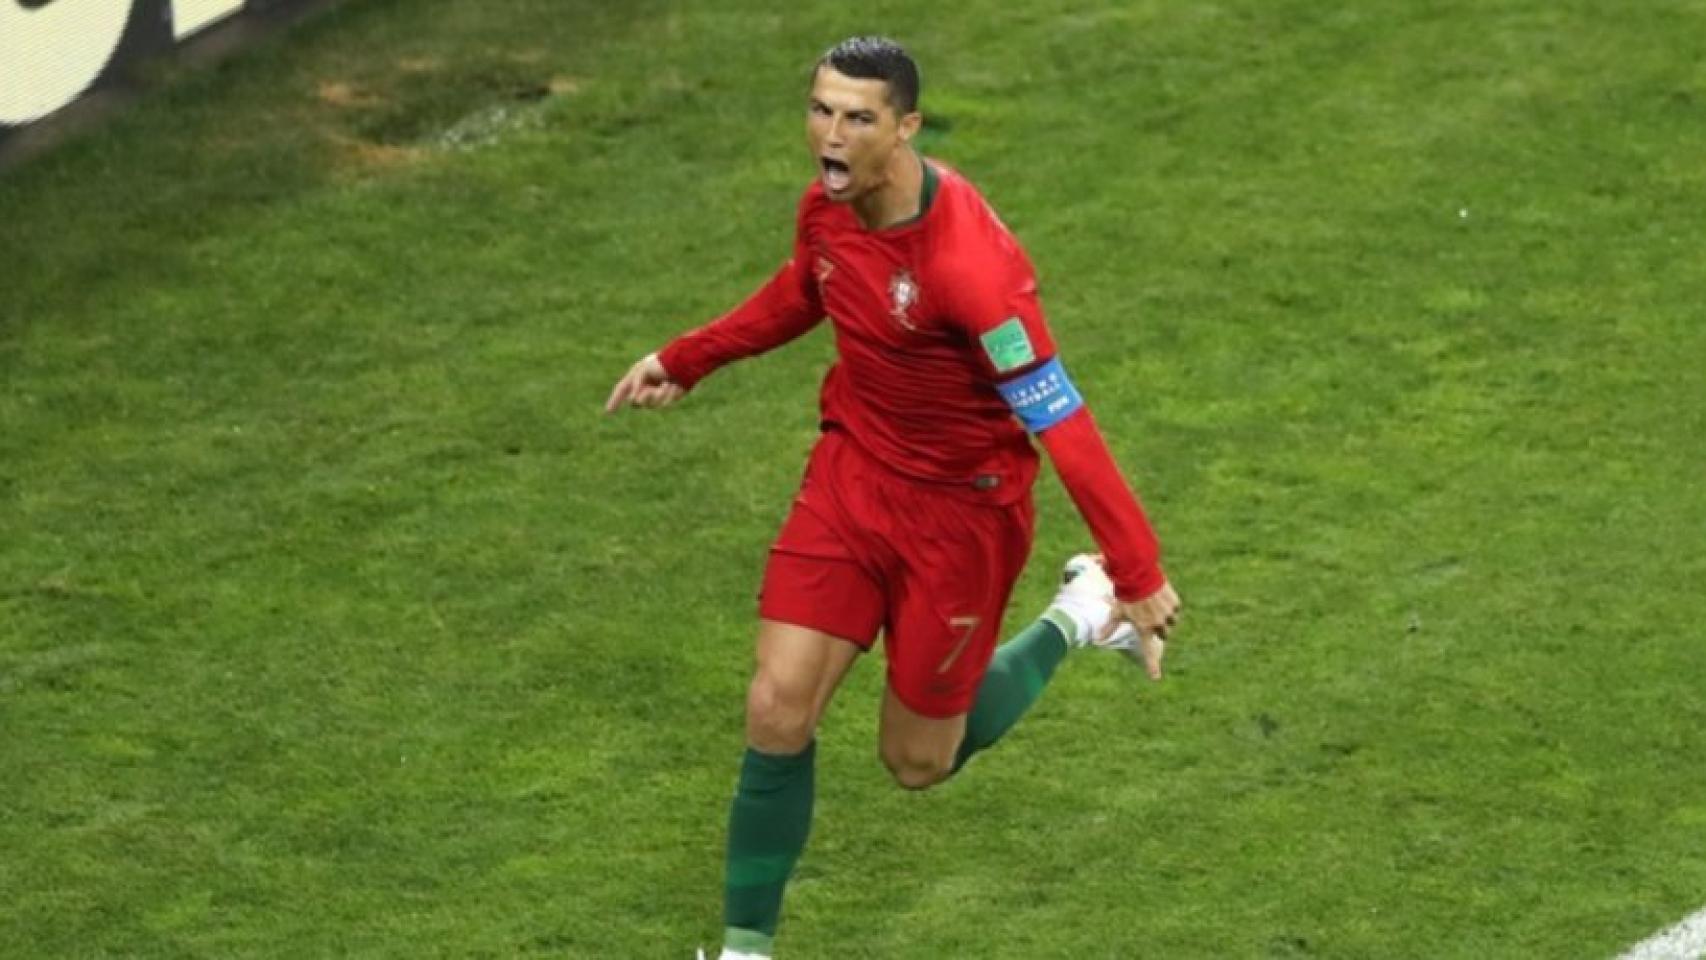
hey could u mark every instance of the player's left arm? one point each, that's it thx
(1050, 406)
(1130, 550)
(1019, 355)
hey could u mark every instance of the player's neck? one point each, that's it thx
(898, 198)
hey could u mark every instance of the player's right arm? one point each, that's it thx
(781, 310)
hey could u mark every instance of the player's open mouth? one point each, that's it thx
(837, 175)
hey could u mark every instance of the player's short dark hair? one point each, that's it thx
(877, 58)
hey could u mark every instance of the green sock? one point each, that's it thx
(768, 823)
(1020, 669)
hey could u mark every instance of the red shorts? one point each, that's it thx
(865, 549)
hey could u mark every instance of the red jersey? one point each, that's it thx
(929, 315)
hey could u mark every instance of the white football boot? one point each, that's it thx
(728, 954)
(1086, 602)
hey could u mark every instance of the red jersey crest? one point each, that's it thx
(903, 293)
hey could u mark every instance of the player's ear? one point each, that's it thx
(909, 125)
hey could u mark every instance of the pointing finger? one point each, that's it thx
(620, 394)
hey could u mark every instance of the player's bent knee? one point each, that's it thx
(921, 776)
(778, 719)
(915, 771)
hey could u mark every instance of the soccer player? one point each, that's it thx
(914, 517)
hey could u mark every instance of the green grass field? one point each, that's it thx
(336, 621)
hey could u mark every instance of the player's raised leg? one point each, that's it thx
(1023, 666)
(937, 715)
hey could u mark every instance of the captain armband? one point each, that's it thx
(1043, 397)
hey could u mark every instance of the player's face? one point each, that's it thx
(854, 133)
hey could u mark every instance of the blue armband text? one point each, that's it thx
(1043, 397)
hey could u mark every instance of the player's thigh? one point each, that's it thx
(814, 576)
(817, 614)
(801, 664)
(942, 631)
(797, 672)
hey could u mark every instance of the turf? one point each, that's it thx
(335, 620)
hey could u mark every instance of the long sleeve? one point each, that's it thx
(996, 304)
(784, 308)
(1116, 519)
